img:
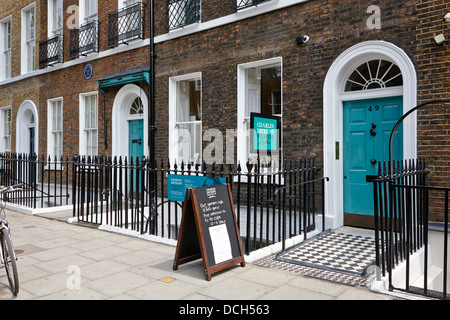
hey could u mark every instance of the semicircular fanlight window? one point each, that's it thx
(136, 107)
(374, 74)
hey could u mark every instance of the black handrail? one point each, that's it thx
(399, 122)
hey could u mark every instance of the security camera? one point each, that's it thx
(302, 39)
(447, 17)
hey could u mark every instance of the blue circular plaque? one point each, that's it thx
(88, 71)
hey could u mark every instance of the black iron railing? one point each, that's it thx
(395, 217)
(242, 4)
(306, 193)
(84, 40)
(44, 182)
(182, 12)
(118, 192)
(402, 202)
(51, 51)
(126, 25)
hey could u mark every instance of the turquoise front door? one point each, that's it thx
(135, 148)
(367, 127)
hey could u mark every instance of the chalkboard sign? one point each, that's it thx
(209, 230)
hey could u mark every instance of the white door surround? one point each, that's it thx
(121, 115)
(333, 98)
(27, 117)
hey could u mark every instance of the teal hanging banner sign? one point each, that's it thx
(177, 184)
(265, 133)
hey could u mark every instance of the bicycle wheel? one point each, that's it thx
(10, 261)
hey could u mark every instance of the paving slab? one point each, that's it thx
(62, 261)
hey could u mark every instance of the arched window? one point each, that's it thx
(374, 74)
(136, 107)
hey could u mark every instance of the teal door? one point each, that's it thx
(135, 149)
(367, 127)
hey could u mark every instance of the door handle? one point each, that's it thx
(372, 130)
(373, 161)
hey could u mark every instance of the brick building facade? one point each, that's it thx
(217, 61)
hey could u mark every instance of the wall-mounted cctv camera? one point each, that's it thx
(302, 39)
(447, 17)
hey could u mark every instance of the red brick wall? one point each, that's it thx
(333, 27)
(433, 63)
(69, 83)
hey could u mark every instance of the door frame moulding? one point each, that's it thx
(333, 98)
(22, 124)
(121, 105)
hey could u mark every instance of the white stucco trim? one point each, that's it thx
(333, 98)
(120, 116)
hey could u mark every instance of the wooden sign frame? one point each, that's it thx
(194, 241)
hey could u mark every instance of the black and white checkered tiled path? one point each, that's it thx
(333, 256)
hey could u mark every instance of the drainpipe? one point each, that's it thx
(151, 113)
(151, 120)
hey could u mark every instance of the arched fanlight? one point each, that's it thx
(374, 74)
(137, 107)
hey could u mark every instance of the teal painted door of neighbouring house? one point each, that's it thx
(136, 148)
(367, 127)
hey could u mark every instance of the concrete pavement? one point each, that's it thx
(62, 261)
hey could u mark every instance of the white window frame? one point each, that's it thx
(28, 46)
(126, 3)
(55, 9)
(86, 132)
(84, 14)
(51, 132)
(242, 116)
(5, 62)
(173, 124)
(3, 123)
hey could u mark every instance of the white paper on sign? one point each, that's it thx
(221, 243)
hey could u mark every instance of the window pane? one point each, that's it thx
(59, 14)
(91, 7)
(30, 25)
(137, 107)
(8, 143)
(90, 131)
(188, 117)
(270, 85)
(7, 35)
(375, 74)
(189, 101)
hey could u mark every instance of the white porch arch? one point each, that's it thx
(121, 115)
(333, 98)
(27, 120)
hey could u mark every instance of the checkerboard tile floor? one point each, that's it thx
(333, 256)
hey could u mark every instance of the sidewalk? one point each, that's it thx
(58, 260)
